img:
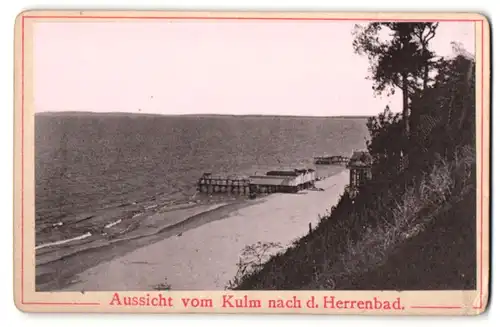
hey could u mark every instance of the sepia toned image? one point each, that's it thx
(182, 160)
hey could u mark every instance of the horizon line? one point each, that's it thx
(197, 114)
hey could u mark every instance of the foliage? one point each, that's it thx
(399, 56)
(403, 52)
(252, 259)
(384, 148)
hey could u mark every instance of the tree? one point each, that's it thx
(451, 103)
(425, 32)
(401, 58)
(384, 145)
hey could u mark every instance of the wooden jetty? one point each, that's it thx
(286, 181)
(331, 160)
(209, 183)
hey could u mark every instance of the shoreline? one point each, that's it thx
(54, 274)
(206, 244)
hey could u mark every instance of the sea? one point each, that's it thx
(95, 173)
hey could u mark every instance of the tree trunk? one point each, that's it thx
(416, 110)
(406, 123)
(468, 85)
(426, 75)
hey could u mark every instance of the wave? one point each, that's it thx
(81, 237)
(101, 243)
(113, 223)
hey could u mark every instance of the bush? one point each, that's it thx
(252, 259)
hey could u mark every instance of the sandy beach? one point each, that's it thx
(206, 257)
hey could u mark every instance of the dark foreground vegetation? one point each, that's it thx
(413, 226)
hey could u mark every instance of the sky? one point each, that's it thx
(304, 68)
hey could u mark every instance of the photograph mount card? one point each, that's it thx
(240, 162)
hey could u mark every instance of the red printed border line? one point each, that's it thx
(24, 18)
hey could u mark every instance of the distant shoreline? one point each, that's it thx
(126, 113)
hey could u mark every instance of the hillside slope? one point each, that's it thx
(440, 258)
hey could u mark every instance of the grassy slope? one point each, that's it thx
(294, 269)
(441, 257)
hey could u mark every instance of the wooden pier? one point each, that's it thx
(289, 181)
(209, 183)
(331, 160)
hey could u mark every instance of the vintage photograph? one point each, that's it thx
(254, 155)
(192, 162)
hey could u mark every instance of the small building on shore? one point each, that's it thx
(301, 178)
(360, 172)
